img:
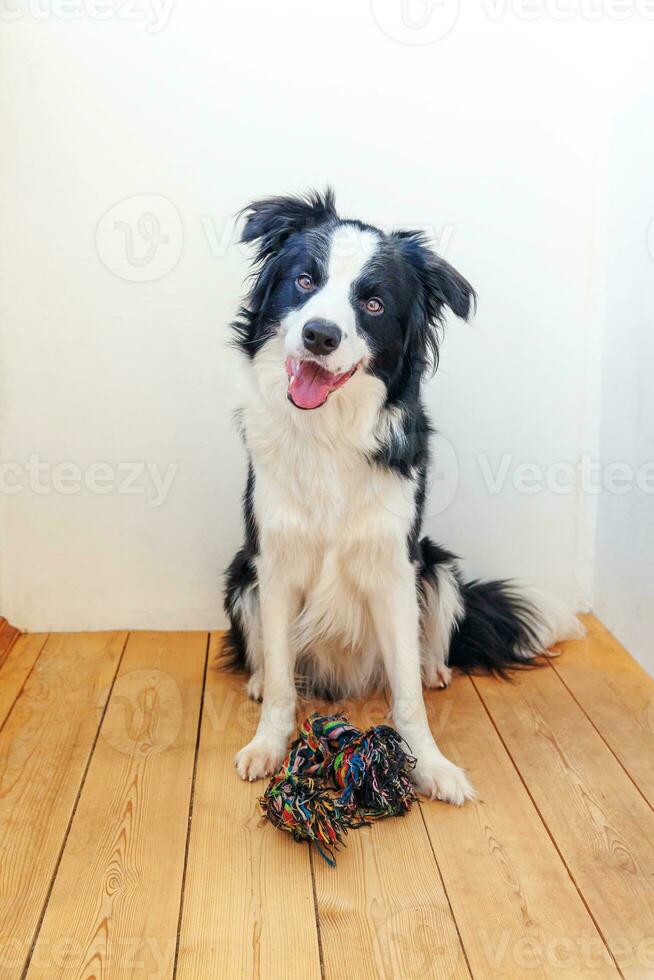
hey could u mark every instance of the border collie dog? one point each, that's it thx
(335, 590)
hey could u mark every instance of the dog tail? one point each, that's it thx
(496, 626)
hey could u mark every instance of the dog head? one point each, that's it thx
(345, 296)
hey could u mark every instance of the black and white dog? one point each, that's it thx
(335, 590)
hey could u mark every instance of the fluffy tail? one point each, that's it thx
(492, 627)
(504, 627)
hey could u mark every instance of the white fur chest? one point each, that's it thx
(313, 469)
(330, 522)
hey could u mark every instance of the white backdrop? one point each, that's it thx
(624, 582)
(133, 135)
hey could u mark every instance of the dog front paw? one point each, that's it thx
(259, 758)
(440, 779)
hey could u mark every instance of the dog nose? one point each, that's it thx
(321, 336)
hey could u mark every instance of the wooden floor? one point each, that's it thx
(129, 848)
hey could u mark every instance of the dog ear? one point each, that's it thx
(440, 286)
(270, 222)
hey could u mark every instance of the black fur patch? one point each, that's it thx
(239, 577)
(497, 622)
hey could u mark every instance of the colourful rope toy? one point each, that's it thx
(371, 770)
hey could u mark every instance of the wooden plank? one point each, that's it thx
(601, 824)
(16, 668)
(383, 911)
(248, 904)
(8, 636)
(44, 750)
(117, 891)
(617, 695)
(517, 910)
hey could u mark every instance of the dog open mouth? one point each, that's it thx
(309, 384)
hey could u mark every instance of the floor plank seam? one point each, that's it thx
(601, 736)
(190, 807)
(27, 677)
(547, 830)
(73, 812)
(445, 891)
(438, 869)
(321, 957)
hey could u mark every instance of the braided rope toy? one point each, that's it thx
(370, 769)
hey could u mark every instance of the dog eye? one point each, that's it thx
(374, 306)
(304, 282)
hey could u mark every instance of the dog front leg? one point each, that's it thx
(396, 617)
(279, 608)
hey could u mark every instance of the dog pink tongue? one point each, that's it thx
(309, 384)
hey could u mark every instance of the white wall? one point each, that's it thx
(491, 136)
(624, 589)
